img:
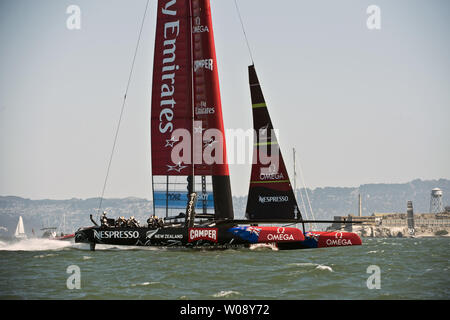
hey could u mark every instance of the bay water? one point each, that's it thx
(382, 268)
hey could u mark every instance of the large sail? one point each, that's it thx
(270, 194)
(187, 129)
(172, 81)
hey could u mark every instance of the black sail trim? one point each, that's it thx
(273, 199)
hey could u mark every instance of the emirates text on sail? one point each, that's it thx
(171, 31)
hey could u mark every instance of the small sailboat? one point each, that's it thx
(20, 230)
(190, 177)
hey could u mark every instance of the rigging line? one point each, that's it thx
(295, 190)
(304, 206)
(295, 187)
(243, 30)
(123, 106)
(300, 191)
(306, 193)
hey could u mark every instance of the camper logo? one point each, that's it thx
(203, 64)
(209, 234)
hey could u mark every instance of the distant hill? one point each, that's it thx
(326, 203)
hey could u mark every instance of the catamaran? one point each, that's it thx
(52, 233)
(190, 177)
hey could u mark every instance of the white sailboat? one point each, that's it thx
(20, 231)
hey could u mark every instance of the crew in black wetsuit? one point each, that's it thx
(132, 222)
(153, 222)
(104, 220)
(121, 222)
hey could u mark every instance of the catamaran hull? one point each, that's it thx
(224, 237)
(283, 240)
(321, 239)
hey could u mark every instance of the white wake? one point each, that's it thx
(34, 244)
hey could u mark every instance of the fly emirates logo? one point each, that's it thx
(209, 234)
(171, 31)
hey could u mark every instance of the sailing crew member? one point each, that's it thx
(132, 222)
(104, 220)
(121, 222)
(153, 222)
(160, 222)
(150, 222)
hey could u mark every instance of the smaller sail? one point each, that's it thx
(20, 231)
(270, 195)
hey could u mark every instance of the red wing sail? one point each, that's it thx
(186, 118)
(185, 93)
(172, 84)
(270, 195)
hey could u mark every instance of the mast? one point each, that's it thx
(295, 174)
(295, 189)
(191, 181)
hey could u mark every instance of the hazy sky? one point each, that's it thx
(360, 106)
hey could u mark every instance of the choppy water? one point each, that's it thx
(410, 269)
